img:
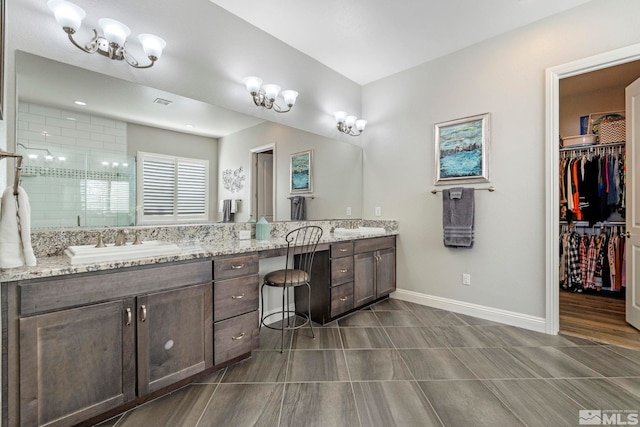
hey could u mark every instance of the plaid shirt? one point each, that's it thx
(573, 262)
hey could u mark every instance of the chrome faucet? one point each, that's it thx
(121, 238)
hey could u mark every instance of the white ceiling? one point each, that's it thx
(366, 40)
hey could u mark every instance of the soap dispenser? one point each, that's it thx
(263, 229)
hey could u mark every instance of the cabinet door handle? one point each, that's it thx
(344, 270)
(237, 296)
(237, 266)
(143, 313)
(343, 299)
(128, 314)
(238, 337)
(343, 250)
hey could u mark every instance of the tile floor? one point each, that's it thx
(402, 364)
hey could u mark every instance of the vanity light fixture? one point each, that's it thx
(266, 95)
(112, 43)
(345, 123)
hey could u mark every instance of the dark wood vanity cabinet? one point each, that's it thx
(81, 345)
(374, 269)
(235, 306)
(350, 275)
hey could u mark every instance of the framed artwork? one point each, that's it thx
(301, 177)
(462, 150)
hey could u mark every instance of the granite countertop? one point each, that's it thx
(59, 265)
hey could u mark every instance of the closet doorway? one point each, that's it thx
(594, 309)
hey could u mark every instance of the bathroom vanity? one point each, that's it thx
(83, 343)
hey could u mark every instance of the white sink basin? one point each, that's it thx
(359, 231)
(85, 254)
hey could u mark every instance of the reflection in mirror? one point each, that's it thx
(93, 147)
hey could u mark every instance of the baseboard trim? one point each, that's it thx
(525, 321)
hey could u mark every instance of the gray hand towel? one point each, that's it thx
(227, 216)
(458, 217)
(298, 208)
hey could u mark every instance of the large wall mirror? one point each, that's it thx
(80, 160)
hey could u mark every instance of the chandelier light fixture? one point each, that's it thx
(266, 95)
(112, 43)
(346, 123)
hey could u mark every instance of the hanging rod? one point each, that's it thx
(490, 189)
(306, 197)
(18, 168)
(593, 147)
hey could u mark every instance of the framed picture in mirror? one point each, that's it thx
(301, 176)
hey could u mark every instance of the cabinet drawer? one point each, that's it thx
(235, 266)
(341, 270)
(341, 249)
(341, 299)
(235, 337)
(234, 297)
(374, 244)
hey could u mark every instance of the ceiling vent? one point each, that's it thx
(162, 101)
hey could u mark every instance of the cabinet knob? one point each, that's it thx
(238, 337)
(344, 270)
(237, 266)
(343, 299)
(143, 313)
(343, 250)
(237, 296)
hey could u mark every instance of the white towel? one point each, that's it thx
(13, 252)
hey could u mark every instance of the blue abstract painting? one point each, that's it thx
(461, 149)
(301, 172)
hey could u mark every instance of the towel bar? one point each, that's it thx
(306, 197)
(490, 189)
(18, 168)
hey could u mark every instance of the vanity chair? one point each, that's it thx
(301, 248)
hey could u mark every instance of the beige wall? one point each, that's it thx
(572, 107)
(504, 76)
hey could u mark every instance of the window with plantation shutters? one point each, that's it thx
(172, 189)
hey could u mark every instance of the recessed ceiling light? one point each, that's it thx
(79, 102)
(189, 126)
(125, 165)
(105, 163)
(71, 118)
(62, 159)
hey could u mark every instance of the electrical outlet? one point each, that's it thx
(466, 279)
(378, 211)
(348, 210)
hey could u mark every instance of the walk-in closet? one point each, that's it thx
(592, 196)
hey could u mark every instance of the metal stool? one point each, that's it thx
(301, 248)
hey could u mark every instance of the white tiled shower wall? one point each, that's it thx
(85, 142)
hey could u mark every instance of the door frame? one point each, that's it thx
(254, 174)
(552, 159)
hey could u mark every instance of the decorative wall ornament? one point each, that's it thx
(233, 180)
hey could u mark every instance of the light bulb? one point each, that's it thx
(114, 31)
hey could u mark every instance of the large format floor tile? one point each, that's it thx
(468, 403)
(398, 363)
(397, 403)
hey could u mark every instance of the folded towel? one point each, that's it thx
(15, 241)
(298, 208)
(458, 217)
